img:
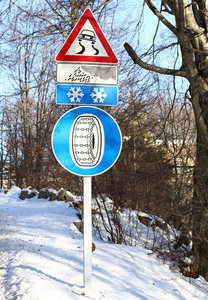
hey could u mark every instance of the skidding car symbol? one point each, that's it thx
(87, 35)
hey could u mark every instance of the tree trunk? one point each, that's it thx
(199, 91)
(200, 208)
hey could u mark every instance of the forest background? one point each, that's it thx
(154, 173)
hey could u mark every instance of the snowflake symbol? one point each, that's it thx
(98, 95)
(75, 95)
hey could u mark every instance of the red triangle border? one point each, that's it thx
(62, 57)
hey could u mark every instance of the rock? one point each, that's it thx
(32, 194)
(78, 204)
(160, 224)
(53, 195)
(145, 220)
(79, 225)
(64, 195)
(44, 193)
(61, 195)
(69, 197)
(27, 193)
(24, 194)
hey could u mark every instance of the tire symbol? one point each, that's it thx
(87, 141)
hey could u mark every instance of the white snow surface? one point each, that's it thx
(41, 258)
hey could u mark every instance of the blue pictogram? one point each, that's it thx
(86, 141)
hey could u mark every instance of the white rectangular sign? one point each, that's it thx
(92, 74)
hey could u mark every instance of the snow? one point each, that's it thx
(41, 258)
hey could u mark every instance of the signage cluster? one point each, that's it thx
(86, 141)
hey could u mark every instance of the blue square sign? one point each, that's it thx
(72, 94)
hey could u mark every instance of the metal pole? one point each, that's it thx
(87, 212)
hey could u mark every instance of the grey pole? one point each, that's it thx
(87, 212)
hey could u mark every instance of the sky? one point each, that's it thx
(140, 38)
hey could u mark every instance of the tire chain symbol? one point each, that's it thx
(87, 141)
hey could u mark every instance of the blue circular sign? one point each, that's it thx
(86, 141)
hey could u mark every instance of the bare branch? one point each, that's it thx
(150, 67)
(102, 5)
(161, 17)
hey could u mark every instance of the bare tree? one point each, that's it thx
(188, 23)
(31, 34)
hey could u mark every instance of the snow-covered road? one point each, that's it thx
(41, 258)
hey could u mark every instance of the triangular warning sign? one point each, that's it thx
(87, 43)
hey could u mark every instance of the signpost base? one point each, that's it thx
(87, 213)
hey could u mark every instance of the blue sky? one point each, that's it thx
(139, 37)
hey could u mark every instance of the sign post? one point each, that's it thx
(86, 141)
(87, 212)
